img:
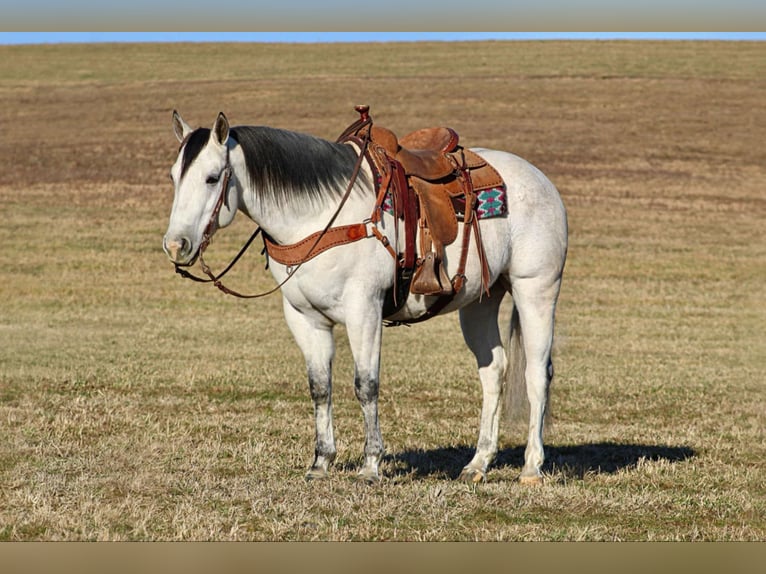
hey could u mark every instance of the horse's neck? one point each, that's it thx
(288, 225)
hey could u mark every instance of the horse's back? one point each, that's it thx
(537, 219)
(530, 192)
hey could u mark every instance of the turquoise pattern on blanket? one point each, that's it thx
(489, 203)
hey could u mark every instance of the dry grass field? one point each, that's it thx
(138, 406)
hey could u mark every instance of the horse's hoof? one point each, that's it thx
(535, 480)
(316, 474)
(368, 478)
(472, 476)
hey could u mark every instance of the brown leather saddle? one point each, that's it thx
(439, 171)
(434, 182)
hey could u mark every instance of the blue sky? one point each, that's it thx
(88, 37)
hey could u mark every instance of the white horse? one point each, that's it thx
(290, 184)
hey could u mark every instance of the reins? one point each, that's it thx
(212, 226)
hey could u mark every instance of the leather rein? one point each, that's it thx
(212, 227)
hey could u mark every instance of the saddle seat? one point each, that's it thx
(422, 153)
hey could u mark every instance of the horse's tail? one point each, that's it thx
(515, 387)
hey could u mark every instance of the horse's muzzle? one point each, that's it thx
(179, 250)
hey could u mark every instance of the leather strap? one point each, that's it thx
(468, 223)
(316, 243)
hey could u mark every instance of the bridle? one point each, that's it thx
(212, 225)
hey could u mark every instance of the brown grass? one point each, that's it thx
(136, 406)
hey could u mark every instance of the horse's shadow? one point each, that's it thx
(574, 461)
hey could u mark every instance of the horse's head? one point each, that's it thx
(205, 198)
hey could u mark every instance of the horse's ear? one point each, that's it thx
(221, 129)
(180, 127)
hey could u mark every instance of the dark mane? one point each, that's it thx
(294, 168)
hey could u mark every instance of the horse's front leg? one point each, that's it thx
(315, 339)
(364, 327)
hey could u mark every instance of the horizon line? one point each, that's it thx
(32, 38)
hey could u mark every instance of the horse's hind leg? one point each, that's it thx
(481, 333)
(535, 299)
(318, 347)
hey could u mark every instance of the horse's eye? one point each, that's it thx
(212, 179)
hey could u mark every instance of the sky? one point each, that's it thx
(307, 37)
(313, 21)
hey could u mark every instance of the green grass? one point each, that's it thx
(137, 406)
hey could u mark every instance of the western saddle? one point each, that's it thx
(433, 182)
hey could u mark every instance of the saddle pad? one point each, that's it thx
(489, 203)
